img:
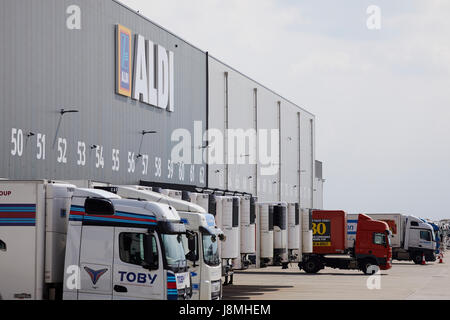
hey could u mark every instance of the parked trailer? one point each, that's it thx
(371, 248)
(201, 248)
(95, 243)
(410, 237)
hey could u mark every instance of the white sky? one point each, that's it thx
(381, 97)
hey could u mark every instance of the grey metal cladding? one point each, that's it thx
(46, 67)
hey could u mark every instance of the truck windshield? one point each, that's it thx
(174, 251)
(210, 250)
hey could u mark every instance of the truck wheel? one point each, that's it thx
(417, 258)
(312, 265)
(366, 267)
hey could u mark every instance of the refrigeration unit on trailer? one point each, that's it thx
(370, 250)
(231, 228)
(280, 236)
(294, 232)
(265, 237)
(410, 237)
(214, 205)
(89, 244)
(248, 230)
(201, 245)
(201, 199)
(306, 231)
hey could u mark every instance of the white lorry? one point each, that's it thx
(411, 237)
(64, 242)
(201, 248)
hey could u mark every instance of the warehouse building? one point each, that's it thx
(93, 90)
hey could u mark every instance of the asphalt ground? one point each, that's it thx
(403, 281)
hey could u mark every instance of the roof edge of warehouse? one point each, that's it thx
(258, 83)
(209, 54)
(156, 24)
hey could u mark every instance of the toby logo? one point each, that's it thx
(95, 274)
(141, 278)
(151, 81)
(5, 193)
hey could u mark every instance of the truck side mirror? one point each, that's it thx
(97, 206)
(192, 246)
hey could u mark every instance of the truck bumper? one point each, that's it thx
(384, 264)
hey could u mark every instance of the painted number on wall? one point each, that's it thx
(17, 141)
(62, 150)
(115, 160)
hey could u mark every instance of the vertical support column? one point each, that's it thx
(299, 171)
(255, 177)
(312, 163)
(279, 152)
(225, 134)
(207, 121)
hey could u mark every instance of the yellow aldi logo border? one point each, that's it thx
(123, 61)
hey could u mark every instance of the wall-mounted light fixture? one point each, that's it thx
(63, 111)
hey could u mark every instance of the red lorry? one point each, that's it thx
(370, 248)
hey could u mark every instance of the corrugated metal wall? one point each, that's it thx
(46, 67)
(236, 101)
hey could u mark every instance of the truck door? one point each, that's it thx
(426, 239)
(138, 266)
(414, 235)
(96, 259)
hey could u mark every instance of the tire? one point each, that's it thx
(366, 266)
(312, 265)
(417, 258)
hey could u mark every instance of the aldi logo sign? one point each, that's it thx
(123, 61)
(149, 78)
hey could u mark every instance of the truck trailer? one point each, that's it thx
(63, 242)
(370, 250)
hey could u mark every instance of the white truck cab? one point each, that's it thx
(125, 249)
(411, 237)
(201, 247)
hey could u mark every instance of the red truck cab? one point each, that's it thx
(372, 242)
